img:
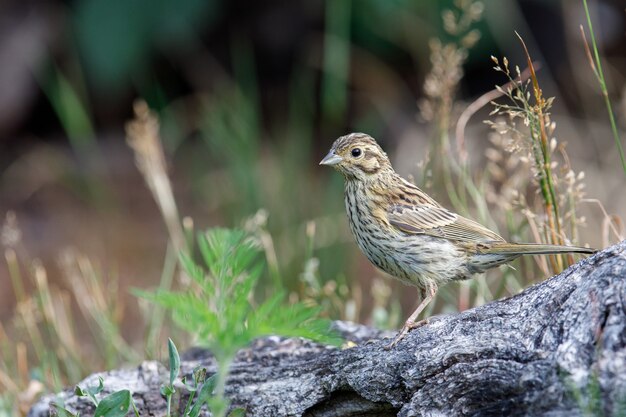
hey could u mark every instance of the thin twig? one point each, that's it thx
(614, 220)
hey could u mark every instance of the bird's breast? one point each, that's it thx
(412, 258)
(372, 232)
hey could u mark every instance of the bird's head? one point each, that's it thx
(358, 157)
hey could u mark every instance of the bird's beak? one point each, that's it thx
(331, 159)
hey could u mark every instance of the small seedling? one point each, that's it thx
(169, 390)
(198, 378)
(199, 385)
(90, 392)
(116, 404)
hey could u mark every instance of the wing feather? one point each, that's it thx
(438, 222)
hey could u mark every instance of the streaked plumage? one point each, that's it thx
(407, 234)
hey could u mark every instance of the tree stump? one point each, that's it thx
(556, 349)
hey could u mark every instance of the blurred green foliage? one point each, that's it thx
(219, 310)
(117, 38)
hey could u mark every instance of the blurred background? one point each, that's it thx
(249, 97)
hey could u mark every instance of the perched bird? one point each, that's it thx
(410, 236)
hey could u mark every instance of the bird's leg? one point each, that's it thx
(410, 323)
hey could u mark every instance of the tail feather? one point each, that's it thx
(532, 249)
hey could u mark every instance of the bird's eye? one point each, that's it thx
(356, 152)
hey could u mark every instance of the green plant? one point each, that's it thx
(218, 307)
(200, 385)
(70, 108)
(589, 397)
(199, 379)
(169, 390)
(116, 404)
(597, 70)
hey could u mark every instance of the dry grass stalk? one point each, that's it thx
(143, 137)
(526, 130)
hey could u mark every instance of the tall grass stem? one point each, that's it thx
(600, 75)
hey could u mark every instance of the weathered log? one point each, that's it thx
(556, 349)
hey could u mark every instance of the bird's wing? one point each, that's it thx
(438, 222)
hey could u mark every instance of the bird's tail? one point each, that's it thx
(532, 249)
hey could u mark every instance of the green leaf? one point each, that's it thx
(269, 307)
(237, 412)
(90, 392)
(174, 361)
(204, 395)
(61, 411)
(70, 109)
(116, 404)
(167, 390)
(208, 253)
(98, 389)
(192, 269)
(189, 387)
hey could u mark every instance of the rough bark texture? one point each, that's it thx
(557, 349)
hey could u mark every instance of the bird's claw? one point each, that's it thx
(405, 330)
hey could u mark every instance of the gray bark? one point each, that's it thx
(556, 349)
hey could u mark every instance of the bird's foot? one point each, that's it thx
(408, 326)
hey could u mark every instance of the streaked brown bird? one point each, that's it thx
(410, 236)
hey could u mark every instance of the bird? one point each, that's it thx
(407, 234)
